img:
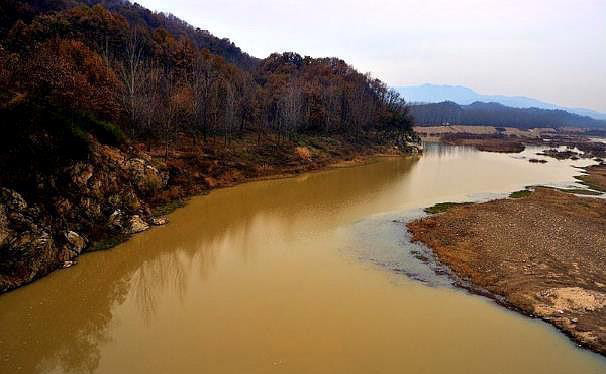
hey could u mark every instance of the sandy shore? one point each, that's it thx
(511, 140)
(543, 254)
(483, 138)
(439, 131)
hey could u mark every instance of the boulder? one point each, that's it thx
(113, 155)
(159, 221)
(4, 230)
(63, 206)
(115, 219)
(12, 200)
(30, 242)
(90, 207)
(115, 200)
(136, 166)
(69, 264)
(77, 242)
(136, 225)
(81, 173)
(131, 202)
(146, 177)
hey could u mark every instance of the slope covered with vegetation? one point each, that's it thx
(110, 110)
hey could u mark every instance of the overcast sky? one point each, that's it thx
(553, 50)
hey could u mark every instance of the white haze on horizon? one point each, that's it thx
(554, 51)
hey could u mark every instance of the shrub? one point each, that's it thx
(105, 132)
(303, 153)
(520, 194)
(151, 184)
(443, 207)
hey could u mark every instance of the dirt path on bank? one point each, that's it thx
(543, 254)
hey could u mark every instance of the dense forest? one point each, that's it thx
(121, 73)
(494, 114)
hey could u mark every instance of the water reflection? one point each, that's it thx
(59, 322)
(255, 272)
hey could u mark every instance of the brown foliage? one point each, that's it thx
(120, 64)
(68, 74)
(303, 153)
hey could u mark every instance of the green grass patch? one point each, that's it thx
(106, 132)
(584, 180)
(168, 208)
(579, 191)
(105, 244)
(443, 207)
(520, 194)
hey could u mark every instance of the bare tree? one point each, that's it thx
(229, 108)
(152, 97)
(132, 74)
(202, 80)
(168, 109)
(290, 106)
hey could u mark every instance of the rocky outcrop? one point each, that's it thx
(158, 221)
(104, 196)
(26, 243)
(4, 230)
(76, 242)
(136, 225)
(98, 201)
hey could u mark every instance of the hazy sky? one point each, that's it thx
(554, 50)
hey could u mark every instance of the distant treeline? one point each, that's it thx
(493, 114)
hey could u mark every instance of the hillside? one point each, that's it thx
(433, 93)
(112, 114)
(25, 11)
(494, 114)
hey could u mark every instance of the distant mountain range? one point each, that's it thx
(432, 93)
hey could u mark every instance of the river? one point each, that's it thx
(311, 274)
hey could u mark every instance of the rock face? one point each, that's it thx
(136, 225)
(26, 245)
(115, 220)
(159, 221)
(76, 242)
(4, 231)
(48, 219)
(86, 202)
(13, 200)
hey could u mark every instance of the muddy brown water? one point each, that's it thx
(303, 275)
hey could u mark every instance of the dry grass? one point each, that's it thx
(303, 153)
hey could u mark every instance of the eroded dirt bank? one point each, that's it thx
(543, 254)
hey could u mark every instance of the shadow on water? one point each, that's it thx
(59, 322)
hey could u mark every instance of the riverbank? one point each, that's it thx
(96, 204)
(239, 271)
(486, 143)
(541, 253)
(578, 143)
